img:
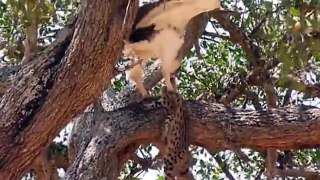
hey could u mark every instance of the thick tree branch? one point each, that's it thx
(22, 100)
(211, 126)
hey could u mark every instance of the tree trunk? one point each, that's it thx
(61, 82)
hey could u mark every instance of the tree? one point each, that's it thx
(270, 53)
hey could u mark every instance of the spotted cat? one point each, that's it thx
(177, 158)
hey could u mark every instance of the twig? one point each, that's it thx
(224, 167)
(255, 29)
(147, 163)
(214, 35)
(209, 39)
(241, 155)
(294, 83)
(238, 36)
(119, 70)
(298, 173)
(286, 98)
(197, 50)
(254, 99)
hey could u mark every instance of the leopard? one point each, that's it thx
(176, 155)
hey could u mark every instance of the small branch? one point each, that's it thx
(147, 163)
(286, 98)
(30, 43)
(254, 99)
(238, 36)
(257, 28)
(214, 35)
(294, 83)
(285, 159)
(298, 173)
(143, 162)
(236, 86)
(224, 167)
(241, 155)
(271, 163)
(198, 50)
(270, 93)
(209, 39)
(133, 63)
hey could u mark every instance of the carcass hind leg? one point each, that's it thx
(135, 74)
(168, 69)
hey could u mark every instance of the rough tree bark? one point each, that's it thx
(61, 82)
(115, 135)
(212, 126)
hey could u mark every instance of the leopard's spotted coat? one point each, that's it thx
(177, 158)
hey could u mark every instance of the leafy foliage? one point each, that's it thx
(15, 17)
